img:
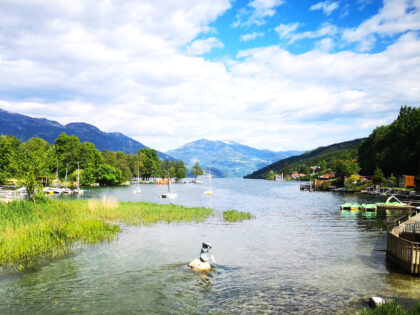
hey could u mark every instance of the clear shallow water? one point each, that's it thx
(300, 254)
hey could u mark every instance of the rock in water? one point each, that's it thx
(376, 301)
(198, 265)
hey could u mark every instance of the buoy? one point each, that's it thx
(202, 263)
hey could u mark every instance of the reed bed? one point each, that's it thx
(49, 228)
(235, 216)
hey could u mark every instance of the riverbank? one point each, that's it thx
(50, 228)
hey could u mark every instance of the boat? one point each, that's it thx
(137, 191)
(209, 191)
(169, 195)
(66, 190)
(78, 190)
(350, 206)
(393, 205)
(368, 207)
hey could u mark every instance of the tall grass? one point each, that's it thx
(50, 228)
(234, 216)
(391, 308)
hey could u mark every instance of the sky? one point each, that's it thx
(272, 74)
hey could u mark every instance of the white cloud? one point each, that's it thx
(123, 69)
(326, 6)
(288, 31)
(202, 46)
(258, 12)
(395, 17)
(250, 36)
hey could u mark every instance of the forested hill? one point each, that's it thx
(343, 150)
(25, 127)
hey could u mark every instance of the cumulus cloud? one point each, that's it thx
(395, 17)
(250, 36)
(202, 46)
(326, 6)
(123, 66)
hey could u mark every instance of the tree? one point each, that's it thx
(197, 170)
(108, 175)
(150, 162)
(344, 169)
(270, 175)
(378, 177)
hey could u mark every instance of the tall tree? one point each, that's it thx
(197, 170)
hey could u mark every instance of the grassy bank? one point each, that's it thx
(235, 216)
(391, 308)
(49, 228)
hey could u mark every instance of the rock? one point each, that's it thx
(198, 265)
(376, 301)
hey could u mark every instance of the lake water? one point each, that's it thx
(300, 254)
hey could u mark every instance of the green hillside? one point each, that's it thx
(344, 151)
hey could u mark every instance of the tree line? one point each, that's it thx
(36, 158)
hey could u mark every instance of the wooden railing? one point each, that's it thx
(404, 252)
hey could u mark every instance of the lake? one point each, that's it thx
(300, 254)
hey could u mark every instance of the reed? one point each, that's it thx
(50, 228)
(235, 216)
(391, 308)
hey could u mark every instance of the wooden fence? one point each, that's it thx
(404, 253)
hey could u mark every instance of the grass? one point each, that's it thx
(235, 216)
(391, 308)
(50, 228)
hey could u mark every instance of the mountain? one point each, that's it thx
(25, 127)
(231, 159)
(337, 150)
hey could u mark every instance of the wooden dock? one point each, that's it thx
(403, 245)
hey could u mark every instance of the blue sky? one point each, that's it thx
(276, 74)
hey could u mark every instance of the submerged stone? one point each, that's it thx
(198, 265)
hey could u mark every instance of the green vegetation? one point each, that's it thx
(197, 170)
(324, 157)
(235, 216)
(50, 228)
(35, 160)
(176, 169)
(394, 148)
(391, 308)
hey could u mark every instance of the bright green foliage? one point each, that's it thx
(30, 231)
(391, 308)
(176, 169)
(378, 176)
(108, 175)
(394, 148)
(197, 170)
(344, 169)
(270, 175)
(10, 157)
(149, 161)
(235, 215)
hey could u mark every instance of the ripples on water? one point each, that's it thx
(300, 255)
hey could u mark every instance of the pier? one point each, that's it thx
(403, 245)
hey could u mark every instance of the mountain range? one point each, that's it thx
(227, 158)
(25, 127)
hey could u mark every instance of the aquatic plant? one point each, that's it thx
(50, 228)
(391, 308)
(235, 216)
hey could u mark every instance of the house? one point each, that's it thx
(406, 181)
(327, 176)
(297, 175)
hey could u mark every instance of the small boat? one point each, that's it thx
(78, 190)
(368, 207)
(209, 191)
(169, 195)
(350, 206)
(393, 205)
(137, 191)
